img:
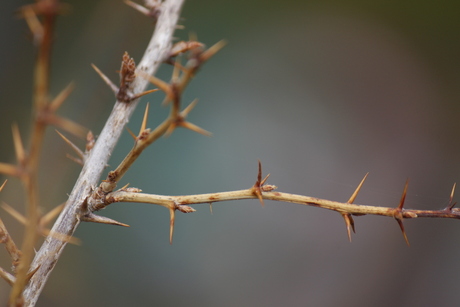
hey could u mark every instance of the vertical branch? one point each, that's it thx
(41, 95)
(50, 251)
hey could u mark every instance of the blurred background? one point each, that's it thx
(322, 92)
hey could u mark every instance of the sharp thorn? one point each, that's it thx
(8, 277)
(72, 145)
(207, 54)
(355, 193)
(195, 128)
(350, 224)
(76, 160)
(112, 86)
(18, 216)
(18, 145)
(259, 173)
(143, 10)
(91, 217)
(258, 193)
(264, 180)
(68, 125)
(144, 121)
(131, 133)
(172, 217)
(61, 97)
(403, 197)
(401, 225)
(134, 97)
(189, 108)
(210, 207)
(451, 198)
(3, 184)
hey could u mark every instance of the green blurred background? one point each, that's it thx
(321, 92)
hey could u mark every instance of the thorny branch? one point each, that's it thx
(29, 278)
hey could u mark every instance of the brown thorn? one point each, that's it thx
(48, 217)
(131, 133)
(195, 128)
(355, 193)
(176, 71)
(76, 160)
(210, 207)
(3, 185)
(68, 125)
(403, 197)
(61, 97)
(256, 187)
(207, 54)
(259, 173)
(144, 121)
(451, 198)
(112, 86)
(134, 97)
(18, 145)
(264, 180)
(124, 187)
(401, 225)
(189, 108)
(91, 217)
(72, 145)
(349, 222)
(18, 216)
(172, 216)
(33, 22)
(143, 10)
(10, 169)
(165, 87)
(8, 277)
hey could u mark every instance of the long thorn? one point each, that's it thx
(106, 79)
(144, 121)
(3, 185)
(401, 225)
(451, 198)
(349, 223)
(355, 193)
(72, 145)
(172, 217)
(403, 197)
(61, 97)
(18, 145)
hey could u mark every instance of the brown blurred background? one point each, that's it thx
(321, 92)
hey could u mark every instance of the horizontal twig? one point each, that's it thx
(354, 209)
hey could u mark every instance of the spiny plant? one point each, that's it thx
(30, 270)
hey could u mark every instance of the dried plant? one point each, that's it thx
(31, 270)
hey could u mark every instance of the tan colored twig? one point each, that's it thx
(263, 191)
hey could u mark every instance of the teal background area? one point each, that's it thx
(322, 92)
